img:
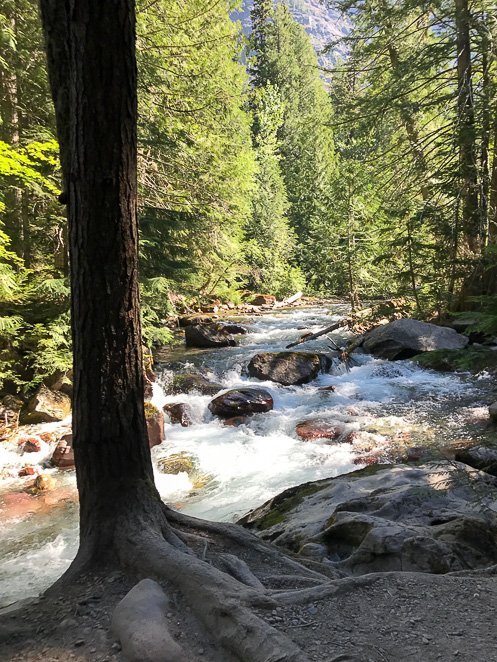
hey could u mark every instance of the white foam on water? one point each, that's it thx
(29, 571)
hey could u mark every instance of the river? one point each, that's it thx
(387, 406)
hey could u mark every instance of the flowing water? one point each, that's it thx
(383, 408)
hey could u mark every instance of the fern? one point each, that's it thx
(10, 325)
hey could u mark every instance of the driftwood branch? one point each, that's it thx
(312, 336)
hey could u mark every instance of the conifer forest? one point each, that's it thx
(261, 170)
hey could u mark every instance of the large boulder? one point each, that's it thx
(206, 336)
(404, 338)
(288, 368)
(189, 382)
(431, 518)
(241, 401)
(45, 406)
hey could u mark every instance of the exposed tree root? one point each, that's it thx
(334, 588)
(150, 540)
(224, 604)
(491, 571)
(245, 539)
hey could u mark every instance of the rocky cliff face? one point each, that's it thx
(324, 26)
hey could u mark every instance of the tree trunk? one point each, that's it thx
(91, 58)
(10, 133)
(410, 126)
(492, 229)
(466, 133)
(485, 138)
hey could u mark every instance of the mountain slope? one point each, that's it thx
(324, 26)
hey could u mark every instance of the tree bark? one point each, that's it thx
(91, 59)
(10, 133)
(466, 132)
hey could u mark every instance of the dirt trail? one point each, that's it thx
(398, 616)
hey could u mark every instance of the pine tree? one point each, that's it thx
(196, 168)
(287, 60)
(271, 241)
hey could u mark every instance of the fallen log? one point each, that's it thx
(312, 336)
(293, 298)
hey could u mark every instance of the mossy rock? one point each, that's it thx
(185, 463)
(200, 480)
(151, 410)
(273, 512)
(188, 382)
(178, 463)
(472, 359)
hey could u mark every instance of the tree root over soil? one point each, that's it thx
(195, 558)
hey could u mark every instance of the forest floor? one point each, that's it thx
(399, 616)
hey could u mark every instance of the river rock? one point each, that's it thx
(240, 402)
(179, 412)
(288, 368)
(235, 421)
(63, 455)
(492, 411)
(318, 429)
(404, 338)
(45, 406)
(148, 390)
(140, 624)
(26, 471)
(264, 300)
(193, 382)
(432, 518)
(479, 457)
(185, 463)
(178, 463)
(43, 483)
(234, 329)
(155, 425)
(30, 445)
(204, 336)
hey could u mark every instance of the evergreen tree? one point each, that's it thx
(271, 241)
(196, 160)
(287, 60)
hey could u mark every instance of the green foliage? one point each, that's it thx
(285, 59)
(413, 121)
(271, 242)
(155, 305)
(197, 164)
(48, 349)
(471, 359)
